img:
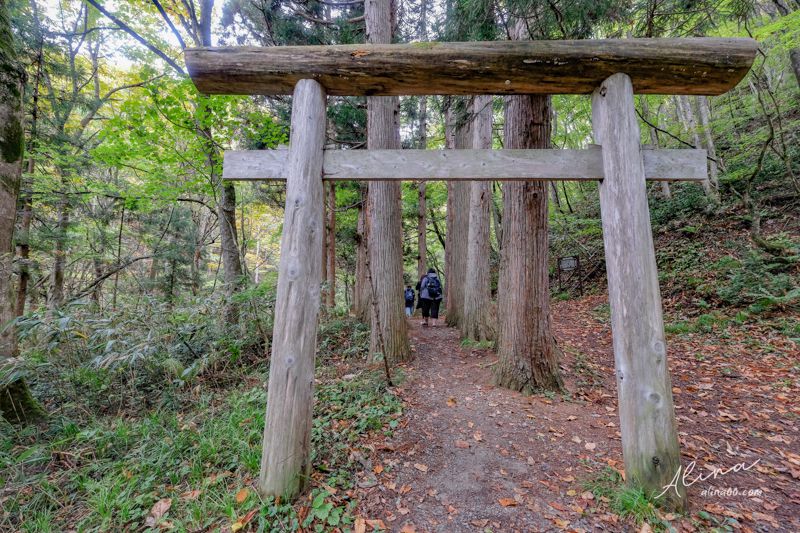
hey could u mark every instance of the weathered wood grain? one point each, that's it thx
(708, 66)
(647, 419)
(465, 165)
(285, 462)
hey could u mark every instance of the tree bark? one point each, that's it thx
(231, 262)
(647, 419)
(422, 226)
(385, 213)
(331, 259)
(715, 162)
(16, 402)
(476, 323)
(24, 251)
(56, 296)
(687, 115)
(458, 197)
(665, 188)
(325, 237)
(528, 358)
(794, 57)
(361, 288)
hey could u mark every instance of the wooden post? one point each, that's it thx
(287, 432)
(647, 418)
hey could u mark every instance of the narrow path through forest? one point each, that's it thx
(470, 456)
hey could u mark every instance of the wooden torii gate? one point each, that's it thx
(610, 70)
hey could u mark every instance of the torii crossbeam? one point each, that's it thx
(611, 70)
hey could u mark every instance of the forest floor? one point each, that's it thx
(472, 457)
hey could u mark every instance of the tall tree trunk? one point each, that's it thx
(476, 322)
(497, 215)
(705, 121)
(665, 187)
(794, 57)
(331, 270)
(56, 298)
(422, 226)
(554, 196)
(687, 116)
(325, 237)
(24, 250)
(528, 358)
(231, 261)
(16, 402)
(385, 213)
(458, 194)
(24, 236)
(361, 289)
(715, 164)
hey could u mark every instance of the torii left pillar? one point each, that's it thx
(285, 461)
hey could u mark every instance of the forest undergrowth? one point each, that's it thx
(183, 453)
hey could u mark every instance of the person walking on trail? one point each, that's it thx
(430, 296)
(409, 297)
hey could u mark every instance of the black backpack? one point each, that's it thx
(434, 287)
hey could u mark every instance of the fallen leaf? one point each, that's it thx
(646, 528)
(590, 446)
(560, 522)
(158, 511)
(421, 467)
(587, 495)
(378, 469)
(191, 495)
(478, 436)
(242, 495)
(239, 524)
(376, 524)
(408, 528)
(462, 444)
(360, 525)
(480, 523)
(507, 502)
(451, 401)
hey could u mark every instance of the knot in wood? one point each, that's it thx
(655, 397)
(659, 348)
(293, 269)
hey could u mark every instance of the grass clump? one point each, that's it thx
(624, 500)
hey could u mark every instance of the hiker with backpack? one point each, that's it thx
(409, 297)
(430, 296)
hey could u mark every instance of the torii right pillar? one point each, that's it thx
(650, 445)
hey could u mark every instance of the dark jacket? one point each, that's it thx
(423, 286)
(409, 301)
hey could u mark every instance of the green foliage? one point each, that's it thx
(142, 355)
(208, 439)
(757, 280)
(687, 200)
(624, 500)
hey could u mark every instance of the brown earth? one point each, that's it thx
(469, 456)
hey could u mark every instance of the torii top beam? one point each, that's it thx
(705, 66)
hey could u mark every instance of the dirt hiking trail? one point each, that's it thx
(469, 456)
